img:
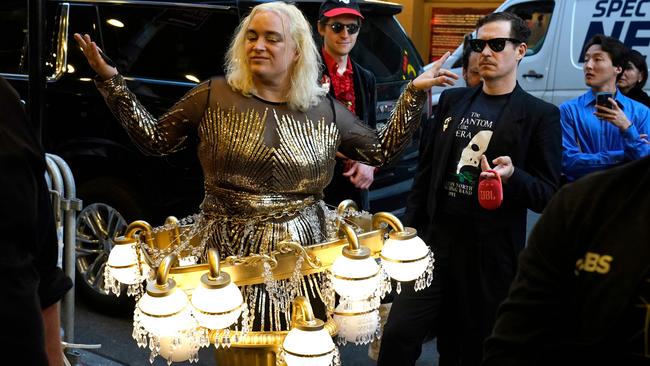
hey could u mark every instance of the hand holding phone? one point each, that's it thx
(614, 115)
(602, 99)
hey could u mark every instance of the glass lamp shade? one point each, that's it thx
(217, 308)
(308, 348)
(355, 279)
(123, 264)
(357, 321)
(165, 315)
(177, 349)
(405, 260)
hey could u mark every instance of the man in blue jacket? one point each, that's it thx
(594, 136)
(496, 123)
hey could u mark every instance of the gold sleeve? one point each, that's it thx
(152, 135)
(380, 147)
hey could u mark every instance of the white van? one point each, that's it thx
(552, 68)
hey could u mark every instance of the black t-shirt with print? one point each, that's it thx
(471, 140)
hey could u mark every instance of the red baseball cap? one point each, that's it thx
(332, 8)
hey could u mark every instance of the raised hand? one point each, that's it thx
(503, 166)
(436, 76)
(95, 60)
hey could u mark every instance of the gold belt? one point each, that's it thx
(245, 206)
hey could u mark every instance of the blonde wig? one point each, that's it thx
(304, 88)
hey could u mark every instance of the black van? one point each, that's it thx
(164, 48)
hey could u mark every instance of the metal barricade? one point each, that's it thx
(65, 205)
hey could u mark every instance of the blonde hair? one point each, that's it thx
(304, 88)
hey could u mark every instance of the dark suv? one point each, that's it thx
(164, 48)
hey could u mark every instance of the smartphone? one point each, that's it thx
(602, 99)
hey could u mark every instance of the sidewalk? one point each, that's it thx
(88, 358)
(352, 355)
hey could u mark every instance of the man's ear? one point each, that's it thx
(619, 70)
(521, 51)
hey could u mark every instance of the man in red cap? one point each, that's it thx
(339, 22)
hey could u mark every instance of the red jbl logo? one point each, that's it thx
(490, 192)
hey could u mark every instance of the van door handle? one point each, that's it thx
(533, 74)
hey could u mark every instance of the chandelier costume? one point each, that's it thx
(265, 166)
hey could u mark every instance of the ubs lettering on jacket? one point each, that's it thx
(594, 262)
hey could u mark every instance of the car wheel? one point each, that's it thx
(109, 206)
(97, 225)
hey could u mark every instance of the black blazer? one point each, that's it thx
(528, 131)
(579, 275)
(365, 95)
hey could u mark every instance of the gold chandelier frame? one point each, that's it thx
(261, 348)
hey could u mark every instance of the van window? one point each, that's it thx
(537, 15)
(167, 44)
(13, 43)
(381, 48)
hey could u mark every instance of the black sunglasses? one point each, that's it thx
(338, 27)
(496, 44)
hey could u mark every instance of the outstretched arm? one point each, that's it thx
(376, 148)
(154, 136)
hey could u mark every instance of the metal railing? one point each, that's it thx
(65, 205)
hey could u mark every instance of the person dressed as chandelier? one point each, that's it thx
(268, 136)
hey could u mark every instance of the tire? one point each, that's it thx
(109, 205)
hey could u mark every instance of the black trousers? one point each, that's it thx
(472, 276)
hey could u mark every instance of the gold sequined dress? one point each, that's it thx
(265, 166)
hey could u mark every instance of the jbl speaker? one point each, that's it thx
(490, 192)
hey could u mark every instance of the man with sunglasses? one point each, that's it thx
(339, 23)
(493, 128)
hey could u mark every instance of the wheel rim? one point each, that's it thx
(97, 225)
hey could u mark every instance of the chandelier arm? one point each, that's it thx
(340, 211)
(142, 229)
(302, 311)
(345, 205)
(163, 269)
(353, 250)
(213, 263)
(351, 235)
(172, 221)
(388, 218)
